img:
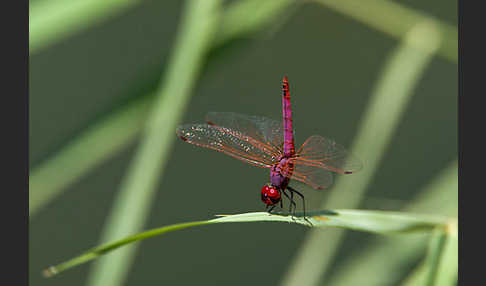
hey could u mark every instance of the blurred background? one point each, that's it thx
(110, 80)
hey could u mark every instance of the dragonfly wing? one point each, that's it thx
(324, 153)
(317, 178)
(318, 157)
(263, 129)
(230, 142)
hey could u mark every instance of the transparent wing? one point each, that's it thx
(265, 130)
(230, 142)
(318, 157)
(317, 178)
(324, 153)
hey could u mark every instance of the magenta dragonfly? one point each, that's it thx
(268, 143)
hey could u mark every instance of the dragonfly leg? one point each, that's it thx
(270, 210)
(292, 190)
(291, 202)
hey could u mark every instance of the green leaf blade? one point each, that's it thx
(380, 222)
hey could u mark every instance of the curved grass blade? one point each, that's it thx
(105, 248)
(381, 222)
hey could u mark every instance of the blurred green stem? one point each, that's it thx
(396, 20)
(108, 137)
(439, 195)
(51, 21)
(389, 100)
(138, 188)
(436, 247)
(247, 17)
(86, 152)
(447, 273)
(443, 270)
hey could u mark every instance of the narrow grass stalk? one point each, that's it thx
(440, 195)
(85, 153)
(132, 204)
(106, 138)
(438, 268)
(447, 273)
(380, 222)
(247, 17)
(51, 21)
(389, 100)
(436, 247)
(108, 247)
(396, 20)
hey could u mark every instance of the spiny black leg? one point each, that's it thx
(291, 202)
(267, 210)
(292, 190)
(270, 210)
(292, 199)
(303, 201)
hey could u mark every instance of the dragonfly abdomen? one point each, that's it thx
(289, 146)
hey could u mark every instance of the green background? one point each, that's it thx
(332, 62)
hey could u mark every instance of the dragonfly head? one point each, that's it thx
(270, 195)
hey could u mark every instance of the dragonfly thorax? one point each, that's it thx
(270, 195)
(280, 173)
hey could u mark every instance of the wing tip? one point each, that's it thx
(180, 133)
(208, 117)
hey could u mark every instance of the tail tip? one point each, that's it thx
(49, 272)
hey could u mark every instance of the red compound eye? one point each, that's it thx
(270, 195)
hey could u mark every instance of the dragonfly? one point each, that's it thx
(268, 143)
